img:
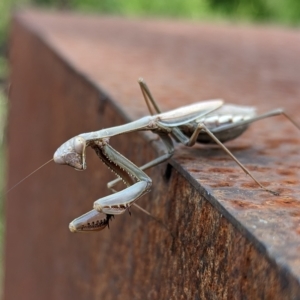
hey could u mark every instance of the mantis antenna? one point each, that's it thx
(28, 176)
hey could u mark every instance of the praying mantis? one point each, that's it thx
(204, 122)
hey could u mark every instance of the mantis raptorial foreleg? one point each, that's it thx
(90, 221)
(138, 182)
(168, 153)
(138, 185)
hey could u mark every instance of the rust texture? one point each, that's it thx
(225, 238)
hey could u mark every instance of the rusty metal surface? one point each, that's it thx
(231, 239)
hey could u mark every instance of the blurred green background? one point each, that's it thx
(279, 12)
(282, 12)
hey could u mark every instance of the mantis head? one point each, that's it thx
(72, 153)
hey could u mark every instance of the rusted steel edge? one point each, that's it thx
(283, 269)
(104, 97)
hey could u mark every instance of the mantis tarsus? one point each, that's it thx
(204, 122)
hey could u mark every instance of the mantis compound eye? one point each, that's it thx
(58, 159)
(79, 144)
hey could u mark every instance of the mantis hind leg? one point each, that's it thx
(215, 139)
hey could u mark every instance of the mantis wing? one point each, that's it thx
(189, 113)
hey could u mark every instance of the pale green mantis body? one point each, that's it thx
(204, 122)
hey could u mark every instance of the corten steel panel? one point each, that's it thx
(226, 239)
